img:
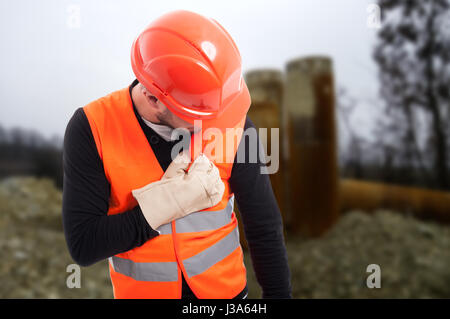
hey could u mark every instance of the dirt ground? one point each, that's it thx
(413, 255)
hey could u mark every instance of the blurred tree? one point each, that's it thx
(2, 135)
(26, 152)
(361, 157)
(350, 154)
(413, 55)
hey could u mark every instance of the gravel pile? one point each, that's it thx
(33, 251)
(413, 255)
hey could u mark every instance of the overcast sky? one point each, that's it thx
(52, 62)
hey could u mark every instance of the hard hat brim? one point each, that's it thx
(231, 115)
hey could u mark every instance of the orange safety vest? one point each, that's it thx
(204, 245)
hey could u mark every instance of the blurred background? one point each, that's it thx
(359, 90)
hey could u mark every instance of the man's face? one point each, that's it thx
(163, 114)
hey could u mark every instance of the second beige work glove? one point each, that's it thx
(180, 192)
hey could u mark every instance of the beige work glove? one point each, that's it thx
(180, 192)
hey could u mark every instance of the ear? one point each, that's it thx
(152, 101)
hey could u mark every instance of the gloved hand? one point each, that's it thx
(180, 193)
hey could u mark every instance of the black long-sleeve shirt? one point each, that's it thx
(92, 235)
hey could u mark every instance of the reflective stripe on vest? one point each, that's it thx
(165, 229)
(210, 256)
(167, 271)
(201, 221)
(144, 271)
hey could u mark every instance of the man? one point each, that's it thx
(165, 221)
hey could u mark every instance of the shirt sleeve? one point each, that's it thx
(261, 218)
(90, 233)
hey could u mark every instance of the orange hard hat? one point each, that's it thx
(193, 66)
